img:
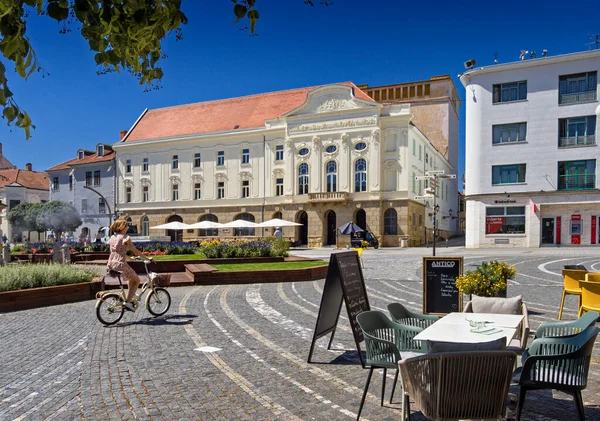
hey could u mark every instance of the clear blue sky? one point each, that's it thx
(376, 42)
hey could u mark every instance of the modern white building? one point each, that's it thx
(532, 152)
(320, 156)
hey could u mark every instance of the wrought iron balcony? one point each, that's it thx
(577, 182)
(577, 141)
(576, 97)
(328, 197)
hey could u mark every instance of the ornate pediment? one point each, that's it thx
(197, 178)
(330, 99)
(391, 165)
(128, 183)
(278, 173)
(145, 181)
(220, 176)
(174, 179)
(245, 175)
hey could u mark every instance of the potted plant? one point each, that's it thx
(489, 280)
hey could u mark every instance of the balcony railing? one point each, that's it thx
(577, 97)
(577, 141)
(328, 197)
(577, 182)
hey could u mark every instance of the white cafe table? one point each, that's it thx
(455, 327)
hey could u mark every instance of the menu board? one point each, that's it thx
(344, 282)
(440, 295)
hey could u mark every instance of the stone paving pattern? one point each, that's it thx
(60, 363)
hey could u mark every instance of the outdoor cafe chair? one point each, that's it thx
(590, 293)
(557, 363)
(458, 385)
(571, 279)
(382, 339)
(401, 314)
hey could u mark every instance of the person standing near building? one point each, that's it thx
(278, 234)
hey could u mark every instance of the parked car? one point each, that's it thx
(357, 239)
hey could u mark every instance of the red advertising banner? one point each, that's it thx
(558, 230)
(493, 224)
(594, 220)
(576, 217)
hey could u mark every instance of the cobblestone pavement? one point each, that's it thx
(60, 363)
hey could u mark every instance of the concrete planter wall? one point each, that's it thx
(179, 265)
(262, 276)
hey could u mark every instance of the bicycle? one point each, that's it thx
(110, 305)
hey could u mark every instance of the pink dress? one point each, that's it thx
(118, 256)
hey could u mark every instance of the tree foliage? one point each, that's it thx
(19, 217)
(56, 216)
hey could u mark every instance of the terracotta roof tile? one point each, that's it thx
(222, 115)
(88, 158)
(29, 179)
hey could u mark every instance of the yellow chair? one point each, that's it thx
(590, 293)
(359, 251)
(571, 278)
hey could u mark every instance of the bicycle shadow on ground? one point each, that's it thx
(166, 320)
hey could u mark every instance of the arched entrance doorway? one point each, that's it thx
(361, 219)
(302, 231)
(176, 235)
(210, 232)
(244, 231)
(331, 227)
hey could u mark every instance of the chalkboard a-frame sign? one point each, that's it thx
(440, 295)
(344, 282)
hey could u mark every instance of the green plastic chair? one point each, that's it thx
(566, 328)
(401, 314)
(559, 363)
(382, 339)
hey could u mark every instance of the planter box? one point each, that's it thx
(46, 296)
(33, 258)
(162, 266)
(262, 276)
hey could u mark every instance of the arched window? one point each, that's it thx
(303, 178)
(211, 232)
(131, 229)
(390, 222)
(145, 226)
(331, 171)
(244, 231)
(360, 175)
(277, 215)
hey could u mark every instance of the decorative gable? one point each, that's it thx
(331, 98)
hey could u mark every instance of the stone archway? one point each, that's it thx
(302, 230)
(360, 219)
(331, 228)
(176, 235)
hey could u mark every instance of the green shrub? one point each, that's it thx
(18, 276)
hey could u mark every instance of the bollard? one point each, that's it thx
(57, 256)
(66, 254)
(446, 243)
(6, 253)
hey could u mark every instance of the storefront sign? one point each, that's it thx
(493, 224)
(505, 201)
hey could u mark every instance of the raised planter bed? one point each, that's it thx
(261, 276)
(33, 258)
(47, 296)
(84, 257)
(179, 265)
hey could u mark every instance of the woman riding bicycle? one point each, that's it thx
(119, 244)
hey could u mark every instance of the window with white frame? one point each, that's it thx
(331, 176)
(128, 166)
(509, 133)
(360, 175)
(145, 194)
(245, 189)
(197, 160)
(145, 165)
(279, 187)
(175, 162)
(97, 178)
(512, 91)
(245, 156)
(414, 183)
(220, 190)
(303, 178)
(128, 194)
(279, 153)
(197, 191)
(146, 226)
(84, 206)
(220, 158)
(88, 178)
(101, 205)
(175, 192)
(100, 151)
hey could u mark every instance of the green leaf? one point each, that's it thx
(11, 46)
(10, 113)
(7, 93)
(251, 3)
(2, 98)
(99, 58)
(253, 16)
(240, 12)
(56, 12)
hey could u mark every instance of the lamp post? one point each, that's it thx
(110, 215)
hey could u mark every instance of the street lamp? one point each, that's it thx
(110, 215)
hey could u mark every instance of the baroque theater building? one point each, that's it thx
(319, 156)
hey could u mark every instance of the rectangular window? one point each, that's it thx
(128, 194)
(84, 207)
(145, 165)
(279, 153)
(128, 166)
(414, 147)
(100, 150)
(197, 160)
(245, 189)
(580, 87)
(70, 183)
(175, 192)
(88, 178)
(145, 194)
(426, 158)
(101, 205)
(420, 220)
(414, 183)
(509, 133)
(175, 162)
(414, 219)
(279, 187)
(420, 153)
(513, 91)
(220, 158)
(508, 174)
(96, 178)
(577, 131)
(12, 203)
(220, 190)
(245, 156)
(577, 175)
(505, 220)
(197, 191)
(419, 192)
(55, 184)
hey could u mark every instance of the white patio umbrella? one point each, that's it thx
(205, 225)
(175, 225)
(278, 223)
(240, 223)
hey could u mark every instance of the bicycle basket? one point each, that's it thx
(163, 280)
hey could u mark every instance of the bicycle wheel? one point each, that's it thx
(158, 301)
(109, 308)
